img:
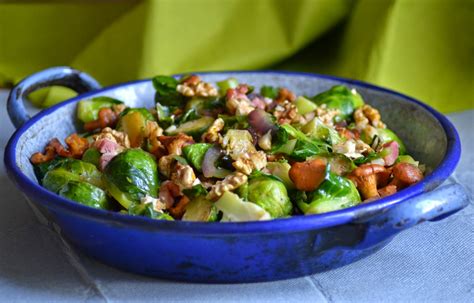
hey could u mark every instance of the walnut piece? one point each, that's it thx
(183, 176)
(175, 144)
(165, 165)
(231, 182)
(367, 115)
(194, 86)
(326, 115)
(286, 113)
(247, 162)
(212, 134)
(118, 137)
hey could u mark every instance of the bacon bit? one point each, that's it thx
(76, 148)
(49, 154)
(308, 175)
(240, 92)
(348, 134)
(107, 118)
(285, 94)
(177, 211)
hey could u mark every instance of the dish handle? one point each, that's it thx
(60, 75)
(431, 206)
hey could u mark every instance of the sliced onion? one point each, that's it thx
(209, 168)
(261, 121)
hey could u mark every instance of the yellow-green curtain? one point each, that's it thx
(421, 47)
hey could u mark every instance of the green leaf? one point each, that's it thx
(166, 93)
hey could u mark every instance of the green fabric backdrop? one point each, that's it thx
(420, 47)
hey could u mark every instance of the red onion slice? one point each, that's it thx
(391, 152)
(261, 121)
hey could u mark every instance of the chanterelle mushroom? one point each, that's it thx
(365, 179)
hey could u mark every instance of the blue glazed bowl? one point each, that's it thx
(248, 251)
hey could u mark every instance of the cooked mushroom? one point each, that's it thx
(365, 179)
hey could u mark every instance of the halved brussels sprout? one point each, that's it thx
(271, 195)
(304, 105)
(387, 135)
(88, 110)
(147, 210)
(92, 155)
(342, 98)
(195, 153)
(86, 194)
(200, 209)
(71, 169)
(281, 170)
(191, 128)
(333, 194)
(131, 175)
(317, 129)
(133, 122)
(235, 209)
(56, 178)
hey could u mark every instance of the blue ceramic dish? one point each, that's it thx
(238, 252)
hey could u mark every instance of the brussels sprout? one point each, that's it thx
(166, 93)
(269, 91)
(133, 122)
(71, 169)
(55, 179)
(131, 175)
(147, 210)
(271, 195)
(407, 159)
(334, 193)
(235, 209)
(92, 155)
(386, 135)
(85, 193)
(200, 209)
(340, 97)
(194, 153)
(234, 122)
(317, 129)
(227, 84)
(238, 142)
(192, 128)
(88, 110)
(281, 170)
(42, 168)
(304, 105)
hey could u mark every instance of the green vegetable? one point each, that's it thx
(201, 209)
(304, 105)
(85, 171)
(88, 110)
(234, 122)
(192, 128)
(239, 142)
(201, 105)
(166, 93)
(281, 170)
(271, 195)
(133, 121)
(42, 168)
(194, 153)
(338, 163)
(190, 115)
(235, 209)
(342, 98)
(195, 191)
(386, 135)
(305, 147)
(55, 179)
(407, 159)
(269, 91)
(92, 155)
(131, 175)
(86, 194)
(227, 84)
(317, 129)
(165, 119)
(334, 193)
(147, 210)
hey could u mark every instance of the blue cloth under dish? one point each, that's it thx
(432, 262)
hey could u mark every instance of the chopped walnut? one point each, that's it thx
(352, 148)
(367, 115)
(157, 204)
(194, 86)
(183, 176)
(154, 131)
(250, 161)
(239, 107)
(231, 182)
(165, 165)
(212, 134)
(174, 144)
(118, 137)
(326, 115)
(286, 113)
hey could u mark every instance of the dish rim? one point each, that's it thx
(357, 213)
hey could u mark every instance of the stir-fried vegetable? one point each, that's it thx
(228, 153)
